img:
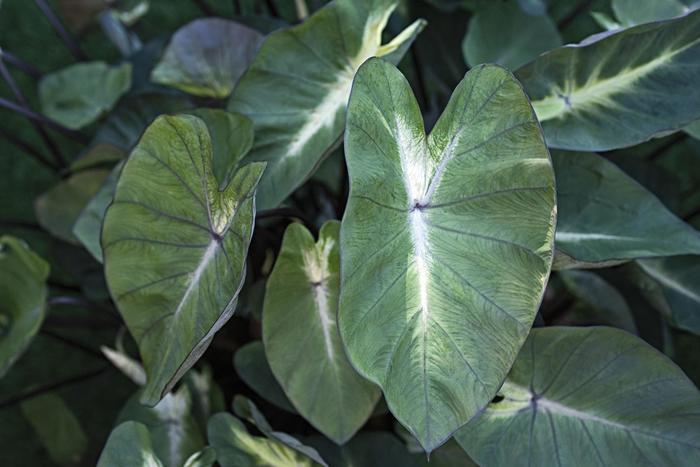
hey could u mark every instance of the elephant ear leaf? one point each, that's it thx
(297, 88)
(23, 294)
(303, 288)
(175, 244)
(434, 228)
(129, 445)
(618, 89)
(589, 396)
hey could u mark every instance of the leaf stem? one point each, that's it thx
(73, 343)
(273, 9)
(12, 84)
(36, 117)
(24, 67)
(61, 31)
(204, 8)
(52, 387)
(28, 149)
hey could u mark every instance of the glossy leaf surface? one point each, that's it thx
(589, 396)
(434, 226)
(618, 89)
(297, 88)
(186, 237)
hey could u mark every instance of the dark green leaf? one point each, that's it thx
(129, 445)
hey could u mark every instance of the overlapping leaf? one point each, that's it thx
(23, 295)
(605, 217)
(76, 96)
(301, 337)
(620, 89)
(207, 57)
(433, 230)
(589, 396)
(175, 244)
(296, 89)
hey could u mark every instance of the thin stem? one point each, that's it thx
(52, 387)
(272, 8)
(31, 115)
(237, 10)
(302, 9)
(73, 343)
(204, 8)
(568, 19)
(81, 302)
(28, 149)
(53, 148)
(25, 67)
(57, 26)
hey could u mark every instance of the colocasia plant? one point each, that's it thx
(350, 233)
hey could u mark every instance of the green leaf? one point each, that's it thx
(589, 396)
(618, 89)
(127, 122)
(78, 95)
(88, 226)
(23, 295)
(503, 33)
(251, 365)
(204, 458)
(57, 428)
(235, 447)
(605, 217)
(367, 448)
(207, 397)
(297, 88)
(433, 228)
(172, 428)
(207, 57)
(676, 292)
(244, 408)
(58, 209)
(189, 246)
(129, 445)
(601, 302)
(631, 12)
(299, 321)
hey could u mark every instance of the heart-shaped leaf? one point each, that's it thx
(235, 447)
(207, 57)
(433, 229)
(589, 396)
(503, 33)
(78, 95)
(297, 88)
(618, 89)
(23, 294)
(605, 217)
(303, 289)
(129, 445)
(188, 240)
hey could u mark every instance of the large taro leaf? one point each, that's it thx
(23, 294)
(589, 396)
(620, 89)
(505, 34)
(81, 93)
(605, 217)
(296, 89)
(175, 245)
(129, 445)
(631, 12)
(207, 57)
(235, 447)
(301, 337)
(673, 287)
(447, 242)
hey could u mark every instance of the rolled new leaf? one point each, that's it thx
(175, 244)
(301, 337)
(446, 242)
(589, 396)
(23, 293)
(618, 89)
(297, 88)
